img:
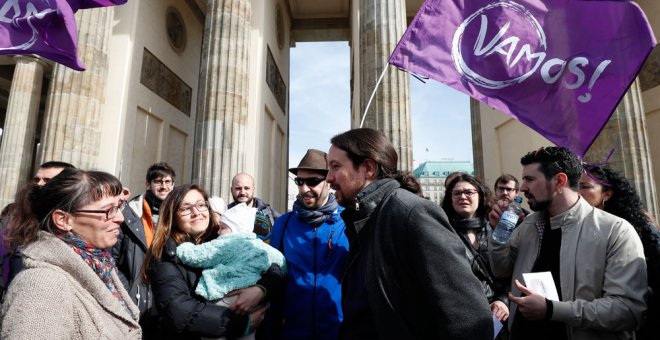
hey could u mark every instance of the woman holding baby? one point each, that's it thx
(185, 217)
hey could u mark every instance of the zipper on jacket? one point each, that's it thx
(329, 249)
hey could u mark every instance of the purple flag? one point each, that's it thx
(558, 66)
(82, 4)
(44, 27)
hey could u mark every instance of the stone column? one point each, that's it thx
(477, 141)
(18, 137)
(222, 108)
(381, 25)
(71, 129)
(626, 132)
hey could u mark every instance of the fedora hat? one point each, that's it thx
(316, 160)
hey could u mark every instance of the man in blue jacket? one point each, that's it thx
(312, 239)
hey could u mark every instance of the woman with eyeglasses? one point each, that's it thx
(185, 217)
(69, 288)
(467, 203)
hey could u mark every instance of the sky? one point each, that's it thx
(320, 107)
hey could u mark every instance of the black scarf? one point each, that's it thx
(319, 216)
(153, 201)
(467, 223)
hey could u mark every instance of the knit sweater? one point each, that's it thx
(58, 296)
(230, 262)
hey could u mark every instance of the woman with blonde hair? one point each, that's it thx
(185, 217)
(69, 288)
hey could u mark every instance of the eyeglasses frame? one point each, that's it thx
(119, 207)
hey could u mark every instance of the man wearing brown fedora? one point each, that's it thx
(312, 239)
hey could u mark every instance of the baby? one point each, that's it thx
(235, 260)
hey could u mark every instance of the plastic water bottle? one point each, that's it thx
(508, 221)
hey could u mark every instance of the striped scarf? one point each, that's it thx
(99, 260)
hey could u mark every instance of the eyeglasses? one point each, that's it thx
(200, 206)
(311, 181)
(163, 183)
(467, 193)
(110, 213)
(505, 189)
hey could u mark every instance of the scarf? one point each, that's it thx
(153, 201)
(99, 260)
(468, 223)
(319, 216)
(150, 207)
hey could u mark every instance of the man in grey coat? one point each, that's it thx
(407, 275)
(596, 259)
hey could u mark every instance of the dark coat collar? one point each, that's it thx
(368, 200)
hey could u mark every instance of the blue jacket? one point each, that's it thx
(315, 259)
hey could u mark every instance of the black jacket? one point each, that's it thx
(494, 288)
(129, 253)
(186, 315)
(407, 275)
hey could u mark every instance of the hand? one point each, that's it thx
(248, 299)
(531, 306)
(500, 310)
(496, 213)
(257, 317)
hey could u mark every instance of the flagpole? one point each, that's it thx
(364, 115)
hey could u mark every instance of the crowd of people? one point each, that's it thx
(362, 255)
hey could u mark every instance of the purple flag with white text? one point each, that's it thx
(558, 66)
(44, 27)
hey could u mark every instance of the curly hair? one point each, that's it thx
(554, 160)
(624, 202)
(485, 197)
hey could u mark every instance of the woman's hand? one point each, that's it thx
(248, 299)
(256, 318)
(500, 310)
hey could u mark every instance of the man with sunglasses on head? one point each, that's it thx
(242, 191)
(137, 231)
(312, 239)
(596, 259)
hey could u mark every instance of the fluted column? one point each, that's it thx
(71, 131)
(222, 108)
(382, 23)
(19, 133)
(626, 132)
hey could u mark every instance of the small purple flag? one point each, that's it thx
(558, 66)
(44, 27)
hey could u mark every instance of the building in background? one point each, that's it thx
(431, 176)
(200, 84)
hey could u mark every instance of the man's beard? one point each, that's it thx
(248, 203)
(540, 205)
(319, 200)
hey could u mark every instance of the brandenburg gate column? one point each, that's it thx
(626, 133)
(16, 152)
(71, 129)
(381, 24)
(222, 108)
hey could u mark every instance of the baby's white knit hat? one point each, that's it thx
(217, 204)
(240, 218)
